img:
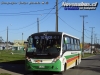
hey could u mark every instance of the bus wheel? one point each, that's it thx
(64, 69)
(76, 63)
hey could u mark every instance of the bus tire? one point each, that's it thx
(76, 63)
(64, 69)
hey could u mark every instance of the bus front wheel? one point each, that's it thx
(64, 69)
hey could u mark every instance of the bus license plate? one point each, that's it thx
(41, 66)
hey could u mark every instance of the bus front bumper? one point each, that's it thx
(55, 67)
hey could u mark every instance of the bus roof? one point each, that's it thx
(70, 35)
(53, 32)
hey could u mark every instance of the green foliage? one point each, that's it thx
(87, 55)
(8, 55)
(4, 74)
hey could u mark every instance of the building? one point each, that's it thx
(18, 45)
(3, 45)
(87, 48)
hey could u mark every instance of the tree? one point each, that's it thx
(1, 40)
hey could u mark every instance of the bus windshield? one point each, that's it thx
(44, 44)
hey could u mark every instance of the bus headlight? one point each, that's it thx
(30, 59)
(55, 59)
(27, 58)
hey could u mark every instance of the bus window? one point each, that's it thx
(64, 44)
(72, 43)
(78, 44)
(67, 46)
(30, 41)
(45, 44)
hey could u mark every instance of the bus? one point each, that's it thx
(52, 51)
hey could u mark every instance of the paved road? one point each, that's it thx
(88, 66)
(13, 69)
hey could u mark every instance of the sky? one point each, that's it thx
(22, 18)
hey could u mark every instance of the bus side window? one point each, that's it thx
(69, 44)
(64, 45)
(72, 44)
(76, 45)
(78, 42)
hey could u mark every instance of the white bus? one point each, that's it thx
(52, 51)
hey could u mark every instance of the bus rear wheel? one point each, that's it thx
(76, 63)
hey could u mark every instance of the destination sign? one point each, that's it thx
(46, 37)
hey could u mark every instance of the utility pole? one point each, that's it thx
(7, 38)
(94, 39)
(98, 41)
(38, 25)
(91, 38)
(56, 15)
(83, 35)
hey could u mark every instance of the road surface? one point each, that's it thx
(88, 66)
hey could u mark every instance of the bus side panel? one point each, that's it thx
(72, 57)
